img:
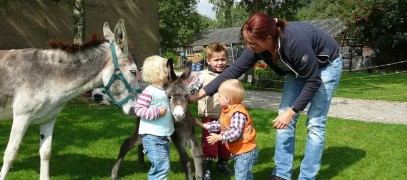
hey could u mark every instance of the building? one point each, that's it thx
(232, 39)
(30, 24)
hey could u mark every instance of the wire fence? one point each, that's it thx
(380, 84)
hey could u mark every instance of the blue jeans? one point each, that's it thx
(244, 164)
(317, 116)
(157, 149)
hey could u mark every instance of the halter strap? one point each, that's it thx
(117, 74)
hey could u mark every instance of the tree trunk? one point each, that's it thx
(79, 21)
(228, 13)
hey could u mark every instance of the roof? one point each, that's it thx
(226, 35)
(232, 35)
(333, 27)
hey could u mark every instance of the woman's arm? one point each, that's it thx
(242, 64)
(193, 98)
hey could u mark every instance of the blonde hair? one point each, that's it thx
(233, 89)
(215, 47)
(155, 69)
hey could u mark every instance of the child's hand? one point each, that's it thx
(206, 126)
(213, 138)
(202, 125)
(199, 123)
(163, 111)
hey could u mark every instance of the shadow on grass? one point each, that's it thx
(338, 159)
(81, 166)
(265, 157)
(335, 159)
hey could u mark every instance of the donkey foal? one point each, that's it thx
(184, 124)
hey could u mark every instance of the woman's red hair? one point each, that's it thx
(261, 26)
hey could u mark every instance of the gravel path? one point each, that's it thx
(354, 109)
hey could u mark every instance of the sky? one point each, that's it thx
(205, 8)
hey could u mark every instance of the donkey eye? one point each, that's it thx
(133, 71)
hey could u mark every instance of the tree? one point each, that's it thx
(382, 25)
(324, 9)
(282, 9)
(179, 22)
(254, 6)
(237, 17)
(208, 23)
(223, 9)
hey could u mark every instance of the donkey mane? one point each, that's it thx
(76, 54)
(70, 47)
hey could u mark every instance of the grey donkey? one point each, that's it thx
(184, 135)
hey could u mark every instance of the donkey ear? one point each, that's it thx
(107, 33)
(187, 70)
(120, 37)
(170, 66)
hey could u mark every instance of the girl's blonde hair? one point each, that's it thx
(233, 89)
(155, 69)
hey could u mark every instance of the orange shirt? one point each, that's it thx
(246, 142)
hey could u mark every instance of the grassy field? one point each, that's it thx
(373, 86)
(87, 138)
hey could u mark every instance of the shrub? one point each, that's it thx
(172, 55)
(265, 77)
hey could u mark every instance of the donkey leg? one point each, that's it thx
(18, 129)
(197, 154)
(183, 155)
(126, 146)
(46, 131)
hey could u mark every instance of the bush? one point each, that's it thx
(172, 55)
(266, 78)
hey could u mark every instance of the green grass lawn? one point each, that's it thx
(87, 138)
(373, 86)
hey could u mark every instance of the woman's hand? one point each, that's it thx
(283, 120)
(213, 138)
(193, 98)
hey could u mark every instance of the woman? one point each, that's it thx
(310, 61)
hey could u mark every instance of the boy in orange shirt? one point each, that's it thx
(236, 127)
